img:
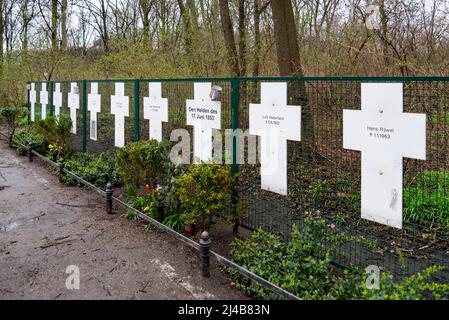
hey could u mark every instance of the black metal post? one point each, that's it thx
(30, 151)
(205, 244)
(61, 170)
(10, 139)
(109, 198)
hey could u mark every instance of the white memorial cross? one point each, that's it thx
(120, 108)
(384, 135)
(204, 115)
(94, 106)
(155, 109)
(43, 97)
(33, 100)
(57, 99)
(73, 103)
(275, 122)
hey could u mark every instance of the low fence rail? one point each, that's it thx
(200, 247)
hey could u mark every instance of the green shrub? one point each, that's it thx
(303, 267)
(415, 287)
(13, 116)
(57, 132)
(98, 170)
(204, 190)
(27, 135)
(428, 198)
(144, 162)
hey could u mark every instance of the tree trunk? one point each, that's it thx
(242, 38)
(228, 33)
(54, 24)
(2, 31)
(145, 7)
(64, 24)
(289, 64)
(256, 66)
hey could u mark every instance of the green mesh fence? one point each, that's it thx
(323, 178)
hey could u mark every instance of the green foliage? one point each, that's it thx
(415, 287)
(13, 116)
(302, 266)
(204, 191)
(98, 170)
(131, 215)
(57, 132)
(174, 222)
(30, 134)
(428, 198)
(144, 162)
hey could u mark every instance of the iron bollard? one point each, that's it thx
(61, 170)
(10, 139)
(235, 227)
(109, 198)
(30, 151)
(205, 244)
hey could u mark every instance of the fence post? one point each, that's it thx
(84, 106)
(136, 110)
(61, 169)
(51, 86)
(235, 102)
(10, 139)
(30, 151)
(205, 244)
(109, 198)
(29, 102)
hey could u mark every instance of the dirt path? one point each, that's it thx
(45, 227)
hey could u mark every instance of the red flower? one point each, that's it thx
(148, 187)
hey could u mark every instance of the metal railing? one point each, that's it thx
(185, 240)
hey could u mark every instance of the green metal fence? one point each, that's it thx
(323, 178)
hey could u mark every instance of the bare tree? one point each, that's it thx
(228, 32)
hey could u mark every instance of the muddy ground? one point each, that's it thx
(46, 227)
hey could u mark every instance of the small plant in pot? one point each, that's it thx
(204, 191)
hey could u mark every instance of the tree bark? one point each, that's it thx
(64, 25)
(54, 24)
(289, 64)
(228, 33)
(145, 7)
(2, 31)
(256, 66)
(242, 38)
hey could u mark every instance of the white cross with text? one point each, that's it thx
(120, 108)
(73, 103)
(33, 100)
(94, 106)
(204, 115)
(43, 97)
(155, 109)
(57, 99)
(275, 122)
(384, 135)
